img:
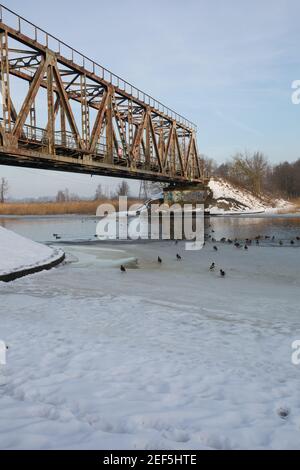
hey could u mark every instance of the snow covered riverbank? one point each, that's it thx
(21, 255)
(228, 199)
(164, 356)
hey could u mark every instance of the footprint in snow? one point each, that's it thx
(283, 412)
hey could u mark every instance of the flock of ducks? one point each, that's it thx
(179, 258)
(249, 241)
(236, 243)
(159, 260)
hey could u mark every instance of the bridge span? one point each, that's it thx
(77, 116)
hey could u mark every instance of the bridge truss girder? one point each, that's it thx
(114, 132)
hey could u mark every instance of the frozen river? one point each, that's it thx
(164, 356)
(76, 227)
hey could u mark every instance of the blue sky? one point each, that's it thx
(226, 65)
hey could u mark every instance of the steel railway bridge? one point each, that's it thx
(77, 116)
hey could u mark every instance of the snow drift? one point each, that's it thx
(18, 254)
(227, 198)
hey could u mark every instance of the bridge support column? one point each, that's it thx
(186, 194)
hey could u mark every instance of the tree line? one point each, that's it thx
(253, 171)
(64, 195)
(100, 194)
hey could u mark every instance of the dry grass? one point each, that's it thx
(55, 208)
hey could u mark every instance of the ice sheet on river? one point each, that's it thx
(168, 356)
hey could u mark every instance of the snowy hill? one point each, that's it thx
(227, 199)
(20, 254)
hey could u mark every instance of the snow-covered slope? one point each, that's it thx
(18, 253)
(227, 198)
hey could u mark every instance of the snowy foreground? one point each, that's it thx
(162, 357)
(18, 253)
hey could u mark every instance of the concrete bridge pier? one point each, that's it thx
(186, 194)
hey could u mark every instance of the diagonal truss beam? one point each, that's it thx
(154, 139)
(189, 153)
(167, 150)
(138, 137)
(179, 154)
(96, 132)
(64, 101)
(33, 90)
(121, 128)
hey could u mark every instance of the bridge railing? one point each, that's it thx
(37, 34)
(38, 137)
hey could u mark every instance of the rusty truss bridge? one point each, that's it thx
(62, 111)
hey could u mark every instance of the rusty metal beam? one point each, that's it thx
(33, 90)
(5, 89)
(138, 138)
(132, 132)
(51, 116)
(156, 146)
(96, 132)
(66, 105)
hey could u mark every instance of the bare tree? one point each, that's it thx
(3, 189)
(254, 173)
(99, 193)
(63, 196)
(209, 164)
(285, 179)
(60, 197)
(67, 194)
(123, 189)
(251, 169)
(224, 170)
